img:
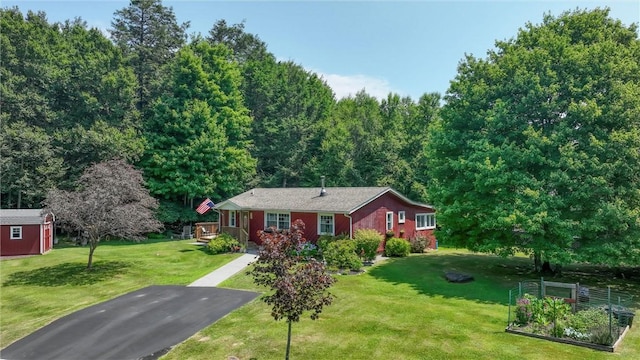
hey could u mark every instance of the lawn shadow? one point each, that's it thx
(74, 274)
(493, 276)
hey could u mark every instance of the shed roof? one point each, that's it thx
(335, 200)
(21, 216)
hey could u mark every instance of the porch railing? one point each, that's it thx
(240, 234)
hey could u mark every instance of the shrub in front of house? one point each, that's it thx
(418, 244)
(308, 251)
(397, 247)
(223, 243)
(324, 240)
(341, 254)
(367, 242)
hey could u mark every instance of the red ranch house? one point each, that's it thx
(25, 232)
(332, 211)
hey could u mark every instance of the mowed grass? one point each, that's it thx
(36, 290)
(404, 309)
(398, 309)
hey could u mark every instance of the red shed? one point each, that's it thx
(331, 211)
(25, 232)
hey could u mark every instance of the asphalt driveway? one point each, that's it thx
(140, 324)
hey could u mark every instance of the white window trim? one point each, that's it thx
(389, 223)
(278, 213)
(19, 237)
(232, 218)
(427, 216)
(333, 224)
(401, 216)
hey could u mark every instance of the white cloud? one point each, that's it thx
(348, 85)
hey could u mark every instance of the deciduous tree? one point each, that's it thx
(29, 166)
(297, 285)
(110, 200)
(538, 148)
(198, 135)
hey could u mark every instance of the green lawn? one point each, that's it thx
(402, 309)
(37, 290)
(398, 309)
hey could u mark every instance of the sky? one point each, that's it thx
(405, 47)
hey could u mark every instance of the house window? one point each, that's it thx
(16, 233)
(389, 220)
(425, 221)
(326, 224)
(232, 218)
(281, 221)
(401, 217)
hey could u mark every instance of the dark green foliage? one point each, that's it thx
(28, 165)
(197, 137)
(418, 244)
(397, 247)
(538, 147)
(149, 36)
(368, 142)
(367, 242)
(283, 98)
(223, 243)
(246, 47)
(289, 105)
(70, 83)
(341, 254)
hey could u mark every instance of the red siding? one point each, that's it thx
(370, 216)
(343, 224)
(373, 216)
(28, 245)
(310, 221)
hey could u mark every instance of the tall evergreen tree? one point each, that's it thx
(245, 46)
(149, 35)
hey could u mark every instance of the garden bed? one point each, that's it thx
(600, 326)
(565, 340)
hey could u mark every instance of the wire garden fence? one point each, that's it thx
(570, 313)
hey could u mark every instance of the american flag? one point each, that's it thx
(205, 206)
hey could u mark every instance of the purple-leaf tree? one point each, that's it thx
(298, 284)
(110, 200)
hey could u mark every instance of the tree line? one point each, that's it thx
(202, 116)
(534, 148)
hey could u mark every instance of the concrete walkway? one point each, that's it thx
(226, 271)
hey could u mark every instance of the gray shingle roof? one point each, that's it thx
(21, 216)
(336, 200)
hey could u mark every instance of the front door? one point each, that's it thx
(244, 226)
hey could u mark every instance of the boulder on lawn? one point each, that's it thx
(457, 277)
